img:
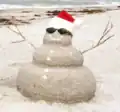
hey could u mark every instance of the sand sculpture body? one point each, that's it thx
(56, 73)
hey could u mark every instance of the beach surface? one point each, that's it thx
(103, 61)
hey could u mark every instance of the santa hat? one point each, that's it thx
(64, 20)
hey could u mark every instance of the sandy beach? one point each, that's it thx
(103, 60)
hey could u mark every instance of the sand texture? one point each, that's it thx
(103, 61)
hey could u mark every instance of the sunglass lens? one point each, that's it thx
(51, 30)
(62, 31)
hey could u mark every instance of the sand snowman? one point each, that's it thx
(56, 73)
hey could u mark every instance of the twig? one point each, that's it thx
(18, 32)
(107, 39)
(106, 27)
(91, 48)
(19, 41)
(31, 45)
(104, 32)
(101, 40)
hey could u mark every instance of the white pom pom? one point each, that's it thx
(78, 22)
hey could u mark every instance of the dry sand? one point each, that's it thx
(103, 61)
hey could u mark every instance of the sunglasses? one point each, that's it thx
(62, 31)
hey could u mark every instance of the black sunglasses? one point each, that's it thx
(61, 31)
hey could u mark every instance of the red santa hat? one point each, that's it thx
(64, 20)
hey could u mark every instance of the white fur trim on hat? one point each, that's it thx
(57, 22)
